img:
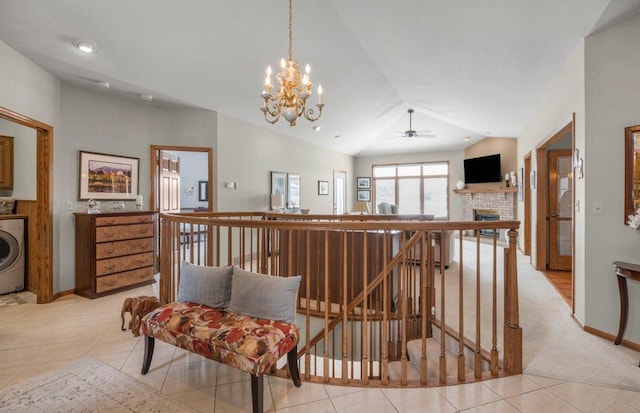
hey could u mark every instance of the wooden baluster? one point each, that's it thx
(384, 370)
(327, 306)
(425, 310)
(403, 314)
(494, 320)
(345, 319)
(478, 350)
(365, 294)
(307, 359)
(443, 326)
(461, 358)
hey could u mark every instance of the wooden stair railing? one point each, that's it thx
(362, 325)
(355, 302)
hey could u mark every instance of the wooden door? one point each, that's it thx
(560, 210)
(169, 182)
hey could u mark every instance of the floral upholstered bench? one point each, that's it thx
(232, 316)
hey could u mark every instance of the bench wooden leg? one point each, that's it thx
(292, 361)
(149, 343)
(257, 393)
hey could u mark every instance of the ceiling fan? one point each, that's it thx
(411, 134)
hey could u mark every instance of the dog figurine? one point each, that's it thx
(138, 307)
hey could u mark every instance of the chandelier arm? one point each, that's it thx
(275, 110)
(308, 113)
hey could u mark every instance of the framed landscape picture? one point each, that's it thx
(364, 195)
(363, 182)
(108, 177)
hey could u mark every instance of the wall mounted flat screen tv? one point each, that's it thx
(482, 169)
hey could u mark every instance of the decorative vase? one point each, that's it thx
(460, 185)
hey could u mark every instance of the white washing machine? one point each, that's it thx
(11, 255)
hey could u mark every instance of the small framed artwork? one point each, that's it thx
(323, 187)
(363, 195)
(363, 182)
(203, 190)
(109, 177)
(279, 184)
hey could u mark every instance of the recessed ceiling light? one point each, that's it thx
(468, 138)
(146, 98)
(316, 128)
(85, 46)
(337, 137)
(104, 84)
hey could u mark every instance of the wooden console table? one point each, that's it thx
(624, 270)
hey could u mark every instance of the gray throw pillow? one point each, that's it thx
(205, 285)
(264, 296)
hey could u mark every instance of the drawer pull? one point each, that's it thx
(109, 267)
(142, 261)
(110, 251)
(110, 283)
(142, 276)
(110, 235)
(142, 231)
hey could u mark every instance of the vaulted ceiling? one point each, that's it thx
(469, 68)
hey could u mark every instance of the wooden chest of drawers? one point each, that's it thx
(114, 252)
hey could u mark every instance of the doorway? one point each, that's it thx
(165, 169)
(339, 192)
(40, 212)
(555, 232)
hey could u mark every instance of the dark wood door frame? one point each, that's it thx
(542, 189)
(41, 260)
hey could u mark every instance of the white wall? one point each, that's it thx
(95, 122)
(24, 160)
(612, 103)
(27, 89)
(565, 98)
(247, 153)
(456, 172)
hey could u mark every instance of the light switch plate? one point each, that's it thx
(598, 208)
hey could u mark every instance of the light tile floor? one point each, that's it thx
(37, 338)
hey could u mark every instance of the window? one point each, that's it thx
(421, 188)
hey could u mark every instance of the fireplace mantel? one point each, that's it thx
(485, 190)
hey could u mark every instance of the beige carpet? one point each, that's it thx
(554, 344)
(85, 385)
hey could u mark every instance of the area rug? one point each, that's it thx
(85, 385)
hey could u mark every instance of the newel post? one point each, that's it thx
(512, 329)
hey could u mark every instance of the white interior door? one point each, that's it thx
(339, 192)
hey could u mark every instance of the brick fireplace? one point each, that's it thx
(499, 201)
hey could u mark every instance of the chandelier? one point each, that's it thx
(293, 90)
